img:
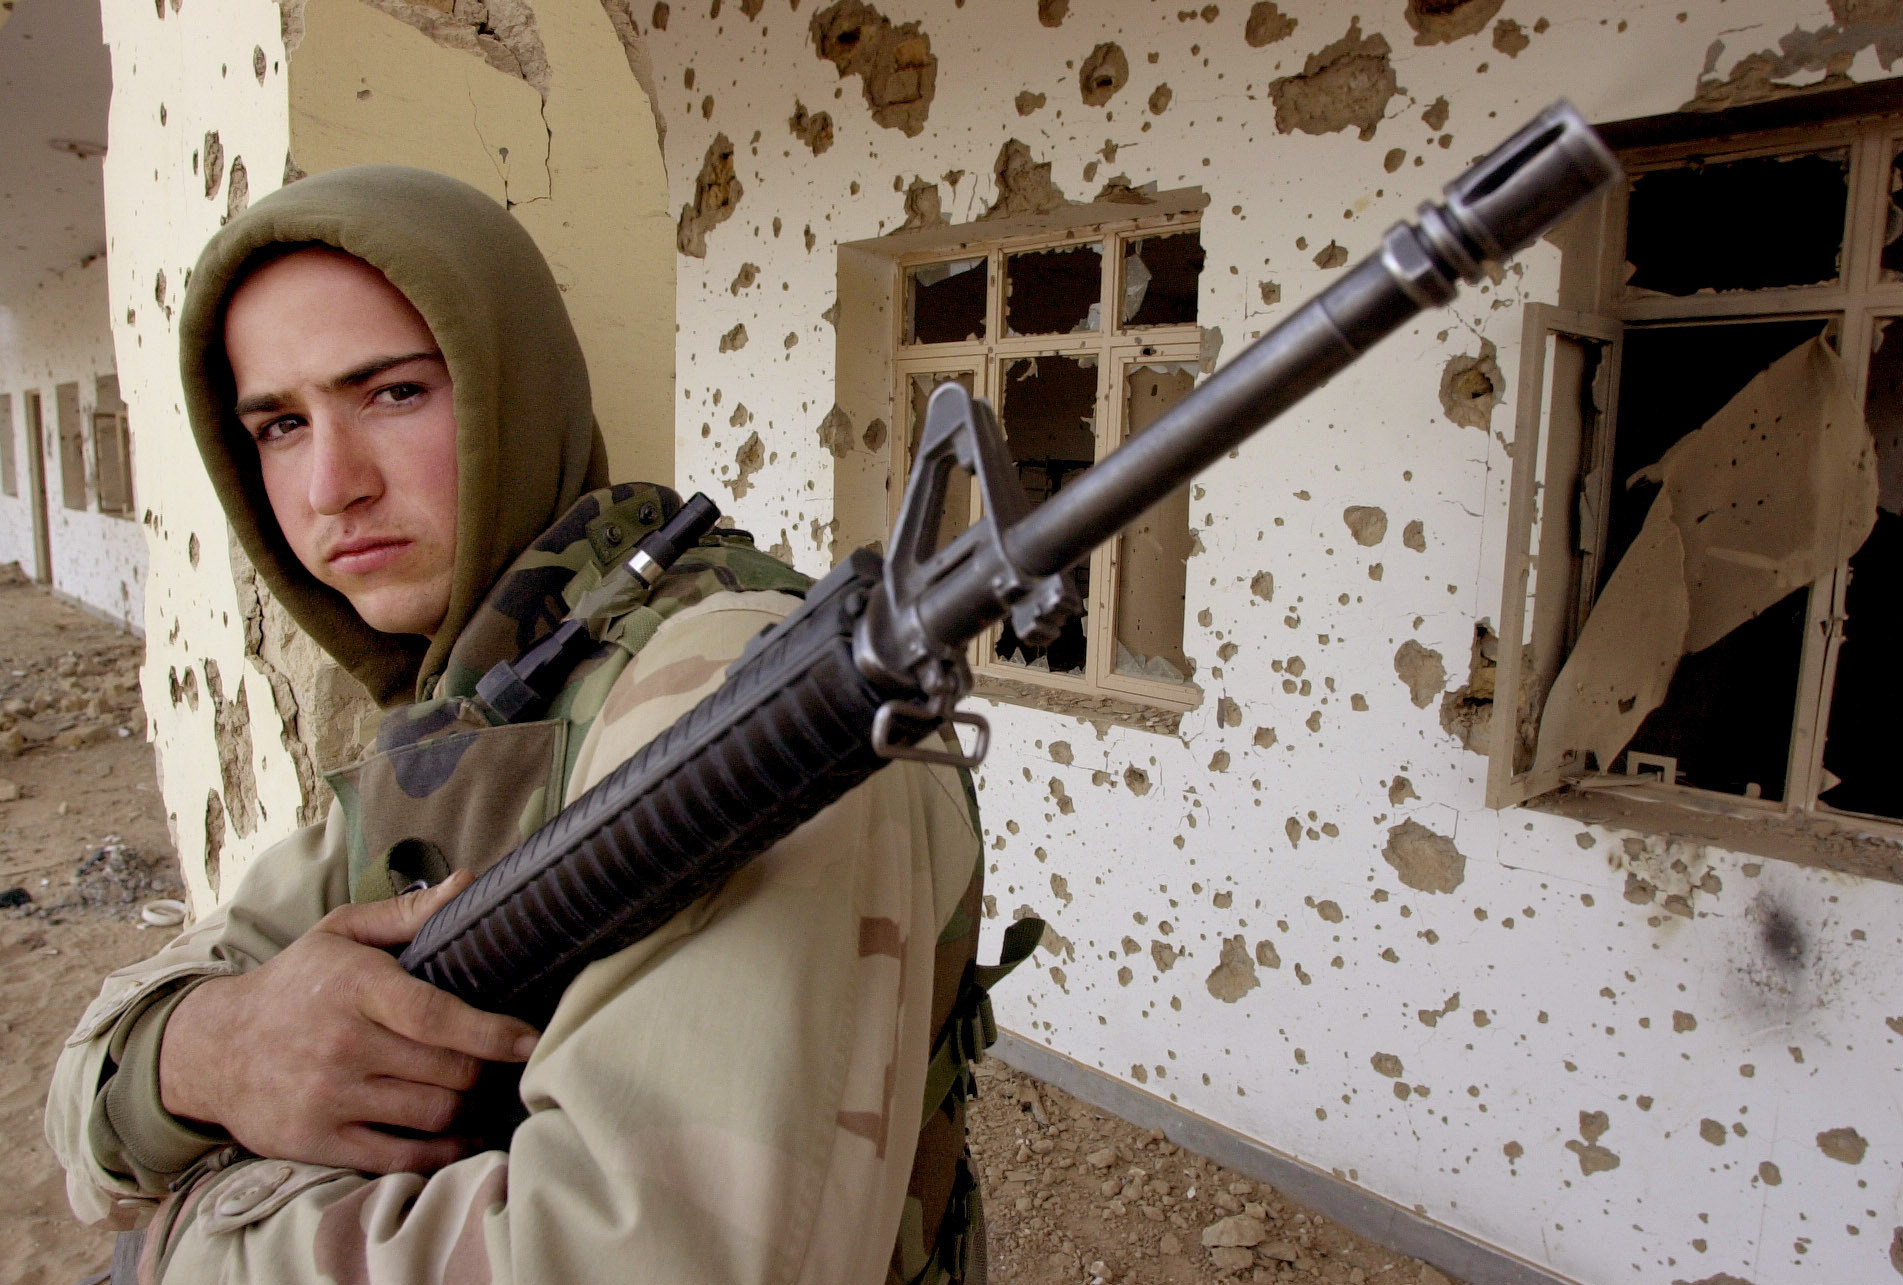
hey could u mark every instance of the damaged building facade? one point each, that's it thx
(1469, 806)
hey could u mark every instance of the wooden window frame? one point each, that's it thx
(1118, 350)
(1855, 302)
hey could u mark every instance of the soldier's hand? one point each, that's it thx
(302, 1058)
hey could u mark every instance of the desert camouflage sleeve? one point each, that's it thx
(734, 1099)
(120, 1148)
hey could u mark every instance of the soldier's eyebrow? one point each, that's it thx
(355, 377)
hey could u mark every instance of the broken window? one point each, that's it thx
(72, 446)
(955, 515)
(1705, 545)
(1161, 275)
(1058, 291)
(945, 302)
(1069, 385)
(1760, 223)
(112, 449)
(9, 475)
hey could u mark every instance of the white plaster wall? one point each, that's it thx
(58, 333)
(1571, 1000)
(177, 75)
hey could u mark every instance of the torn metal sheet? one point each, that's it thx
(1774, 491)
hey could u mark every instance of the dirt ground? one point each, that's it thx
(1072, 1196)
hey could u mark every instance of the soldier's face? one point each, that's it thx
(342, 387)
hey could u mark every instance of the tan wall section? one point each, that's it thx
(581, 170)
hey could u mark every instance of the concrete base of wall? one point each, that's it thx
(99, 613)
(1360, 1211)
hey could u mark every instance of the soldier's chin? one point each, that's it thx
(393, 609)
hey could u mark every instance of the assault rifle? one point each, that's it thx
(871, 667)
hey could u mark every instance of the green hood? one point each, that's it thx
(528, 445)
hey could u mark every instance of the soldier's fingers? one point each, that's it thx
(402, 1058)
(421, 1012)
(425, 1108)
(396, 921)
(371, 1150)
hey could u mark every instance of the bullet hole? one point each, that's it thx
(1422, 670)
(1845, 1144)
(1509, 38)
(875, 435)
(1137, 780)
(1396, 157)
(791, 341)
(1440, 22)
(257, 64)
(214, 168)
(1160, 99)
(1061, 753)
(748, 274)
(1271, 292)
(238, 191)
(1387, 1064)
(922, 209)
(1228, 713)
(1467, 712)
(214, 839)
(1264, 737)
(1435, 117)
(1063, 801)
(1267, 25)
(191, 549)
(748, 460)
(1470, 388)
(717, 191)
(814, 129)
(734, 340)
(1367, 523)
(1347, 84)
(1400, 790)
(1266, 956)
(1163, 955)
(1425, 861)
(1683, 1022)
(1414, 536)
(895, 65)
(1024, 185)
(1331, 256)
(752, 7)
(1104, 72)
(1234, 976)
(1029, 102)
(1050, 13)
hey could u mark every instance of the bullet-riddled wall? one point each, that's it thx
(218, 102)
(55, 343)
(1294, 914)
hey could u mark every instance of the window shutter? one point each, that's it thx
(1562, 436)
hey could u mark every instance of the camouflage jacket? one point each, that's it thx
(730, 1099)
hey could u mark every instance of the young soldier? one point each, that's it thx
(392, 404)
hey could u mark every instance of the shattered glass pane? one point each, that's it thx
(1153, 551)
(945, 302)
(956, 515)
(1863, 752)
(1048, 408)
(1054, 292)
(1891, 259)
(1756, 224)
(1160, 276)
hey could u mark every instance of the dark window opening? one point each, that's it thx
(72, 446)
(1756, 224)
(1673, 379)
(1160, 280)
(1863, 747)
(1048, 408)
(945, 302)
(112, 449)
(1727, 715)
(1054, 292)
(9, 475)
